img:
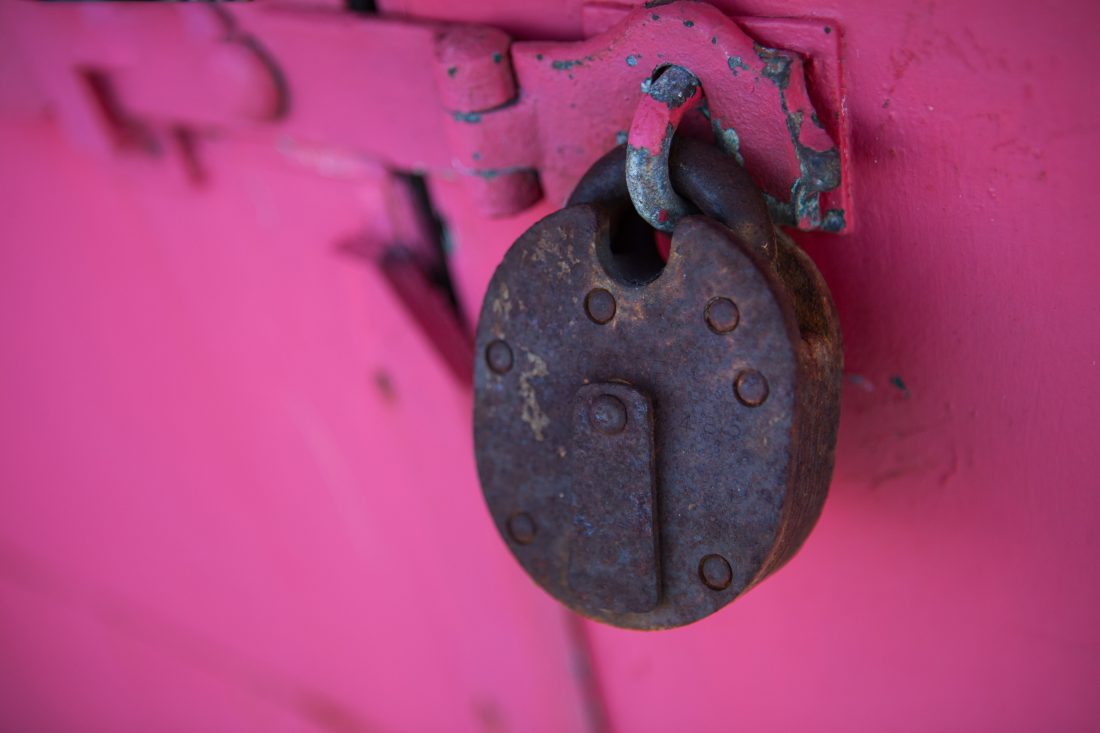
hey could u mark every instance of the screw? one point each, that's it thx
(751, 388)
(522, 528)
(600, 305)
(722, 315)
(498, 355)
(608, 414)
(715, 572)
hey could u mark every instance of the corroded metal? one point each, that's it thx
(613, 553)
(727, 358)
(671, 93)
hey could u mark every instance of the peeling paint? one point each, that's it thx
(737, 64)
(777, 66)
(566, 64)
(490, 173)
(728, 139)
(818, 170)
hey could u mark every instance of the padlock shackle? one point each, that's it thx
(711, 182)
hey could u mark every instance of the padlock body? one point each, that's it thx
(713, 460)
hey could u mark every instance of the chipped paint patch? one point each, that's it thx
(818, 170)
(728, 139)
(531, 413)
(566, 64)
(899, 384)
(502, 304)
(550, 249)
(737, 64)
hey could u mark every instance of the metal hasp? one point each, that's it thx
(654, 438)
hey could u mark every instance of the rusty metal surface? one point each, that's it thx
(734, 341)
(613, 560)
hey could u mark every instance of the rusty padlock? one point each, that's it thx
(653, 439)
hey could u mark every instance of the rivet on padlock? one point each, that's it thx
(654, 438)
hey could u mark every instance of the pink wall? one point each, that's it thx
(237, 489)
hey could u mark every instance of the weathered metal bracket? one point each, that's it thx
(758, 101)
(514, 121)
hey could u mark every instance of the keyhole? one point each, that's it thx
(633, 257)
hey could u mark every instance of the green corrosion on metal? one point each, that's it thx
(736, 63)
(777, 66)
(728, 139)
(818, 170)
(725, 137)
(833, 221)
(489, 174)
(566, 64)
(631, 60)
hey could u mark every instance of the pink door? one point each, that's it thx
(237, 488)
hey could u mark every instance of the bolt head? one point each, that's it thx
(751, 388)
(522, 528)
(498, 355)
(715, 572)
(600, 305)
(722, 315)
(608, 414)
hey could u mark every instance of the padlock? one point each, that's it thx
(655, 438)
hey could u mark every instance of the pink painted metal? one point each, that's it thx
(236, 487)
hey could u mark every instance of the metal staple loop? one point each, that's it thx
(671, 92)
